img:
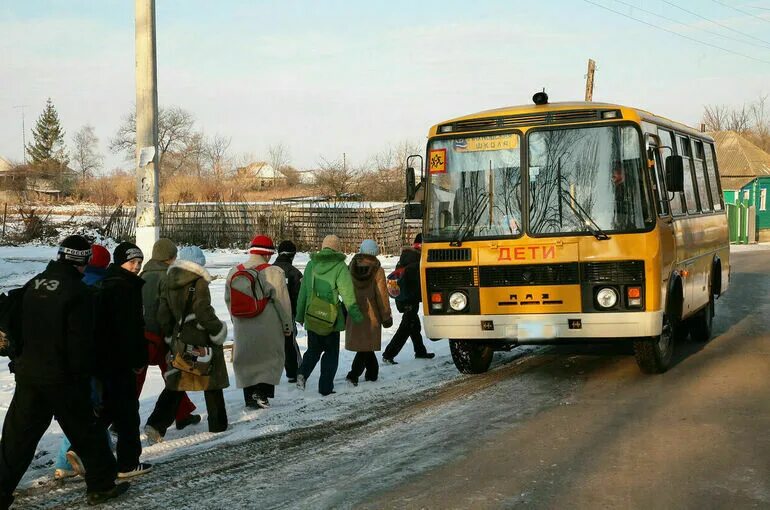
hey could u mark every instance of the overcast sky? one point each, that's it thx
(326, 77)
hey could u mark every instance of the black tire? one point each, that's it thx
(654, 355)
(701, 325)
(471, 357)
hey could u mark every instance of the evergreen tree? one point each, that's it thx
(48, 146)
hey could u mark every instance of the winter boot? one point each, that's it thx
(153, 435)
(140, 469)
(61, 474)
(389, 361)
(425, 355)
(193, 419)
(77, 464)
(352, 380)
(99, 497)
(301, 382)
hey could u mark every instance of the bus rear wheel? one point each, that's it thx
(653, 355)
(471, 357)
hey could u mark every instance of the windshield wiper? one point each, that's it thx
(472, 219)
(582, 215)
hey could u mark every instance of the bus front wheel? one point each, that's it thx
(471, 357)
(653, 355)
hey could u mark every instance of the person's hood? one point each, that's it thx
(183, 272)
(284, 259)
(154, 265)
(115, 272)
(255, 260)
(409, 256)
(326, 259)
(96, 271)
(363, 268)
(64, 268)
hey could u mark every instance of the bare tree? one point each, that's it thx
(278, 156)
(335, 179)
(383, 178)
(85, 153)
(723, 118)
(216, 154)
(193, 156)
(175, 127)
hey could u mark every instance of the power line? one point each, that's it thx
(685, 25)
(715, 22)
(678, 34)
(741, 11)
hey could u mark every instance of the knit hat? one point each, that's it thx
(100, 256)
(287, 247)
(331, 241)
(262, 245)
(417, 244)
(75, 250)
(369, 247)
(163, 249)
(126, 251)
(193, 254)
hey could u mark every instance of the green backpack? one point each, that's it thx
(320, 315)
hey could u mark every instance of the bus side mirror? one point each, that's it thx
(413, 211)
(674, 174)
(411, 184)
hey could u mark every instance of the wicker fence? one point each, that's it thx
(225, 225)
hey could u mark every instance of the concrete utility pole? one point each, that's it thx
(147, 193)
(590, 80)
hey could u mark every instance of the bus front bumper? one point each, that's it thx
(545, 328)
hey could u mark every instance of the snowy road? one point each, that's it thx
(575, 427)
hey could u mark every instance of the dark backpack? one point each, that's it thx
(245, 300)
(10, 322)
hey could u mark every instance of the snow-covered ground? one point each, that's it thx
(291, 408)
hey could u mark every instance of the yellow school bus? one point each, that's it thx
(552, 223)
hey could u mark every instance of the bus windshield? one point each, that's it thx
(594, 171)
(475, 187)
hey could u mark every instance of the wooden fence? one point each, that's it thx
(232, 225)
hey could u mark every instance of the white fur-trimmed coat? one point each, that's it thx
(258, 342)
(184, 275)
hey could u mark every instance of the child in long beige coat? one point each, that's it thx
(364, 338)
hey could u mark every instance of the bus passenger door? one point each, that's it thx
(667, 236)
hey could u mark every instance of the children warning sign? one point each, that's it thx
(487, 143)
(437, 161)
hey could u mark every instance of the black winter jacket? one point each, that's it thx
(120, 331)
(293, 279)
(57, 328)
(410, 261)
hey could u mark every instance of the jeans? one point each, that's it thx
(28, 417)
(365, 361)
(410, 327)
(61, 457)
(163, 415)
(327, 349)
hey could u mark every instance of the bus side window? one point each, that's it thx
(667, 140)
(661, 195)
(711, 170)
(690, 192)
(701, 177)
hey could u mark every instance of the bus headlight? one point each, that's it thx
(458, 301)
(607, 297)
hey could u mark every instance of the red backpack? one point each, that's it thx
(246, 301)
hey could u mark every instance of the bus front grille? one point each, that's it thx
(449, 255)
(529, 274)
(444, 278)
(528, 119)
(627, 271)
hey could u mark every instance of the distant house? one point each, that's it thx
(744, 171)
(260, 175)
(50, 183)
